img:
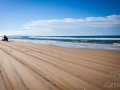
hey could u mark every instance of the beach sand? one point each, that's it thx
(30, 66)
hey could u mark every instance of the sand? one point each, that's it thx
(30, 66)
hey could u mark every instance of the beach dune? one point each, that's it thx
(30, 66)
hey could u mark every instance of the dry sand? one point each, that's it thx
(29, 66)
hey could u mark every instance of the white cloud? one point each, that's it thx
(66, 26)
(70, 23)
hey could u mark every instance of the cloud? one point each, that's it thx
(68, 26)
(70, 23)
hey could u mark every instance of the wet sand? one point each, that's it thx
(30, 66)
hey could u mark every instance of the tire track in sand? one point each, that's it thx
(25, 64)
(44, 76)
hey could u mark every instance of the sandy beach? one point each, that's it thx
(30, 66)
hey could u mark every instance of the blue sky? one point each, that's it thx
(59, 17)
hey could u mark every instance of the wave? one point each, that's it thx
(115, 46)
(78, 39)
(71, 38)
(75, 39)
(94, 42)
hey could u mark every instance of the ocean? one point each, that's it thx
(92, 42)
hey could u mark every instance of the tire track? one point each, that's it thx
(24, 80)
(77, 63)
(83, 53)
(44, 76)
(44, 60)
(70, 57)
(8, 84)
(2, 84)
(55, 66)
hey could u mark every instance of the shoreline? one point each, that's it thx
(26, 65)
(76, 45)
(91, 42)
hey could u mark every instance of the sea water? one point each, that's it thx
(93, 42)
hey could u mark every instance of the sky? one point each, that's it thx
(60, 17)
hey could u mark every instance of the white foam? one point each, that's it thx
(69, 38)
(75, 45)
